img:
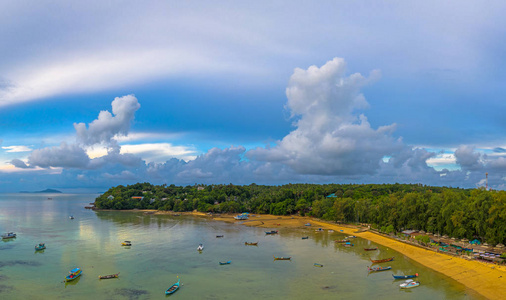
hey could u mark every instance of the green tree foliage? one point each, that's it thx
(459, 213)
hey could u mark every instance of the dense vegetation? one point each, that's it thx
(460, 213)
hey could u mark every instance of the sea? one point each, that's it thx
(164, 250)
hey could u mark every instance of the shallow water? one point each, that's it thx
(164, 247)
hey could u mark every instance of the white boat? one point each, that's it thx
(200, 247)
(410, 283)
(71, 217)
(8, 235)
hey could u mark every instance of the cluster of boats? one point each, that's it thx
(409, 283)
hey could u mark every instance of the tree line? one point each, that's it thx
(459, 213)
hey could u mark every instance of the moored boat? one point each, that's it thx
(172, 288)
(307, 224)
(219, 236)
(200, 247)
(225, 262)
(378, 269)
(370, 249)
(108, 276)
(282, 258)
(342, 241)
(73, 274)
(318, 265)
(8, 235)
(305, 237)
(71, 217)
(410, 283)
(348, 244)
(382, 260)
(126, 243)
(251, 244)
(40, 246)
(271, 232)
(404, 276)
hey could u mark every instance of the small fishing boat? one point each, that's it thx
(348, 244)
(342, 241)
(71, 217)
(331, 231)
(370, 249)
(410, 283)
(200, 247)
(251, 244)
(172, 288)
(73, 274)
(319, 230)
(108, 276)
(8, 235)
(40, 246)
(225, 262)
(382, 260)
(378, 269)
(219, 236)
(126, 243)
(307, 224)
(271, 232)
(351, 237)
(405, 276)
(318, 265)
(305, 237)
(282, 258)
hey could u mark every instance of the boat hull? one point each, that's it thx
(173, 288)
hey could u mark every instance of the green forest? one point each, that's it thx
(459, 213)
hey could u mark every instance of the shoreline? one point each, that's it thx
(485, 279)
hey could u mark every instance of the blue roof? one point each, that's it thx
(74, 270)
(333, 195)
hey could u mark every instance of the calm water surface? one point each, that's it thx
(164, 247)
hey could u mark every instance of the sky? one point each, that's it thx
(95, 94)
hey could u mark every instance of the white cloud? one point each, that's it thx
(159, 152)
(17, 148)
(330, 137)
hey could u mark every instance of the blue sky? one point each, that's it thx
(97, 94)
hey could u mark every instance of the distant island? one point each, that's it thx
(46, 191)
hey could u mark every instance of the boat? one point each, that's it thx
(351, 237)
(342, 241)
(271, 232)
(318, 265)
(348, 244)
(404, 276)
(225, 262)
(378, 269)
(172, 288)
(370, 249)
(409, 284)
(251, 244)
(108, 276)
(382, 260)
(8, 235)
(40, 246)
(305, 237)
(282, 258)
(200, 247)
(73, 274)
(319, 230)
(219, 236)
(331, 231)
(241, 217)
(126, 243)
(71, 217)
(307, 224)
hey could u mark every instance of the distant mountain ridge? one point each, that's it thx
(52, 191)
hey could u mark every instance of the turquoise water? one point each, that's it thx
(164, 247)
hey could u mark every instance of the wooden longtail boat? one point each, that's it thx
(172, 288)
(219, 236)
(305, 237)
(271, 232)
(225, 262)
(370, 249)
(409, 284)
(251, 244)
(74, 273)
(378, 269)
(404, 276)
(341, 241)
(9, 235)
(40, 246)
(108, 276)
(126, 243)
(318, 265)
(382, 260)
(282, 258)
